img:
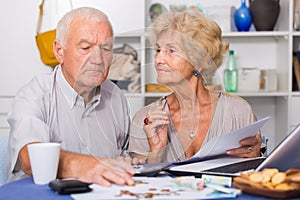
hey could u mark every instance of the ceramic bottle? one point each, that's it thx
(243, 17)
(265, 14)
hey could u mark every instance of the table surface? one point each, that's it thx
(26, 189)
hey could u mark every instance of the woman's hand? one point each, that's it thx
(250, 147)
(133, 161)
(156, 131)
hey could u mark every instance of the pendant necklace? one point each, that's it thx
(192, 134)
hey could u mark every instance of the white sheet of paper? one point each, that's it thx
(219, 145)
(153, 185)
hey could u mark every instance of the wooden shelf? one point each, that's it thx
(257, 34)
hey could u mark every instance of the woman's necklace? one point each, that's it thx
(192, 134)
(194, 130)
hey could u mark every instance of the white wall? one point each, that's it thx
(19, 55)
(18, 52)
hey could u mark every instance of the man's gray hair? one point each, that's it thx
(82, 13)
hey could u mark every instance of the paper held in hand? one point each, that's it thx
(219, 145)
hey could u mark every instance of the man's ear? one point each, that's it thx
(58, 51)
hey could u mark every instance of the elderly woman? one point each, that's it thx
(189, 50)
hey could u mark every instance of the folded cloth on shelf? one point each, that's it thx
(125, 67)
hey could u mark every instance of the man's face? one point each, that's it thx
(87, 54)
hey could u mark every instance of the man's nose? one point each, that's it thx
(96, 55)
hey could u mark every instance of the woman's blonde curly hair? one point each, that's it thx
(201, 38)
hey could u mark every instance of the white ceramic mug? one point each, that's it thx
(44, 158)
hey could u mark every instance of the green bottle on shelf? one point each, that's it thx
(231, 74)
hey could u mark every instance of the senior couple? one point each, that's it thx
(77, 106)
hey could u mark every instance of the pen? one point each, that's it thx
(165, 103)
(164, 98)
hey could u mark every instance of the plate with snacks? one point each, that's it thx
(270, 183)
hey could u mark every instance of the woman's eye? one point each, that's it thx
(168, 51)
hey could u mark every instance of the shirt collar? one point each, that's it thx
(70, 94)
(96, 99)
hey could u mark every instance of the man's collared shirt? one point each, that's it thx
(48, 109)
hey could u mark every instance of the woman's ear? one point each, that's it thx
(58, 51)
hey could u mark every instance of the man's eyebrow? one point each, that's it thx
(84, 40)
(107, 44)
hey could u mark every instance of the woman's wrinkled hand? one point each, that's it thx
(250, 147)
(156, 128)
(132, 161)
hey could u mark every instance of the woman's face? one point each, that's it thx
(171, 62)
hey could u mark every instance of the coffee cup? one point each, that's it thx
(44, 158)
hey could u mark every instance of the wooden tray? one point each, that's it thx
(260, 191)
(152, 87)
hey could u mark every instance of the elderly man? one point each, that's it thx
(75, 105)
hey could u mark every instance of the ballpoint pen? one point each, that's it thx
(164, 98)
(165, 103)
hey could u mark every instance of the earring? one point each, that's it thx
(196, 73)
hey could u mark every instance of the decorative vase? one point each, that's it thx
(265, 14)
(243, 17)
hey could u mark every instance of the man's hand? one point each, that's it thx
(250, 147)
(102, 171)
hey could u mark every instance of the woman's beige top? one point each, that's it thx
(232, 113)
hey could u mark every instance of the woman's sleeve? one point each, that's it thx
(138, 142)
